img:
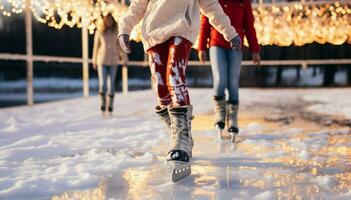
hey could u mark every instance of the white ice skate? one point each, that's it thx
(220, 113)
(181, 142)
(232, 121)
(180, 163)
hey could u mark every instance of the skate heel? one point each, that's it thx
(233, 132)
(180, 170)
(220, 127)
(180, 160)
(232, 137)
(220, 133)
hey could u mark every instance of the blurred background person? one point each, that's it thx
(106, 55)
(226, 62)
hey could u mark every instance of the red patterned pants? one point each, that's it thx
(168, 62)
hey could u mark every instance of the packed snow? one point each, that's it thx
(331, 102)
(68, 150)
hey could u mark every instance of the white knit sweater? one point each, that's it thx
(163, 19)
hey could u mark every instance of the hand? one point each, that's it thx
(124, 42)
(202, 56)
(235, 43)
(94, 66)
(257, 59)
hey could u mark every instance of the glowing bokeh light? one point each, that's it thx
(281, 24)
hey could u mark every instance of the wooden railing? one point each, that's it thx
(41, 58)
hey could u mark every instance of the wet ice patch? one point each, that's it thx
(326, 182)
(252, 129)
(275, 154)
(259, 143)
(346, 195)
(39, 177)
(75, 148)
(303, 154)
(264, 196)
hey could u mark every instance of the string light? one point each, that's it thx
(72, 13)
(283, 25)
(299, 24)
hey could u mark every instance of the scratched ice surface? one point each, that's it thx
(289, 148)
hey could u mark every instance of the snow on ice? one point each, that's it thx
(67, 150)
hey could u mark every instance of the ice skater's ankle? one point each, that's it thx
(161, 107)
(178, 105)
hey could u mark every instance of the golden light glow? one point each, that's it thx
(284, 25)
(299, 24)
(97, 193)
(73, 13)
(138, 179)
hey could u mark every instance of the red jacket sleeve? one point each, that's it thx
(250, 31)
(205, 31)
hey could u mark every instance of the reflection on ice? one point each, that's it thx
(300, 164)
(96, 194)
(137, 182)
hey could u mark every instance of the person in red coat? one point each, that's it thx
(226, 62)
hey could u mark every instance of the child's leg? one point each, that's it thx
(180, 112)
(158, 56)
(179, 51)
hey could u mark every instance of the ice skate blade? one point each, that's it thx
(220, 133)
(180, 170)
(106, 115)
(233, 136)
(223, 134)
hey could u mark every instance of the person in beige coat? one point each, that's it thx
(169, 29)
(106, 55)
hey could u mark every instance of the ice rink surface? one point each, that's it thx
(293, 144)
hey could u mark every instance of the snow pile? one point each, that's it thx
(63, 146)
(331, 102)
